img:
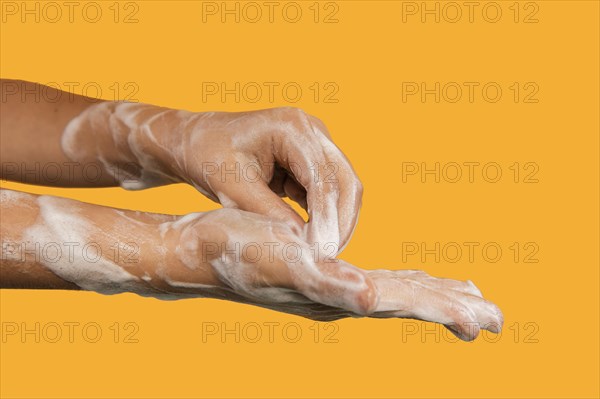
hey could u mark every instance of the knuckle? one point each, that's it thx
(358, 187)
(314, 120)
(223, 215)
(296, 118)
(497, 314)
(290, 112)
(461, 314)
(418, 273)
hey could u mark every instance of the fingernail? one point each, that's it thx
(493, 327)
(457, 333)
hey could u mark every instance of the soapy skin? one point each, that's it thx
(256, 250)
(244, 160)
(227, 254)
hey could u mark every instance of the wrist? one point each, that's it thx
(128, 141)
(156, 139)
(83, 245)
(185, 264)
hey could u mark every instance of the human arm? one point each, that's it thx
(244, 160)
(227, 254)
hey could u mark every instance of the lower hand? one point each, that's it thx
(241, 256)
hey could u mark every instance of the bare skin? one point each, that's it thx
(244, 160)
(257, 250)
(227, 254)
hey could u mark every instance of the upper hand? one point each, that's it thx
(249, 160)
(245, 160)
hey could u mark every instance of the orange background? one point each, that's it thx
(549, 347)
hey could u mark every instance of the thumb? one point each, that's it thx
(336, 283)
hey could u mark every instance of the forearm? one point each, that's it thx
(244, 160)
(68, 140)
(51, 242)
(31, 129)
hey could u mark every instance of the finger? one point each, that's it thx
(411, 299)
(337, 284)
(254, 196)
(277, 182)
(348, 207)
(323, 223)
(403, 273)
(333, 190)
(474, 290)
(466, 287)
(316, 122)
(339, 175)
(295, 192)
(304, 159)
(284, 185)
(487, 314)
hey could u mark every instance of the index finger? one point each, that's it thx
(339, 183)
(334, 192)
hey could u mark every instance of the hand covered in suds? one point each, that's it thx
(253, 259)
(227, 253)
(244, 160)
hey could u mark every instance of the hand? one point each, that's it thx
(243, 160)
(254, 260)
(228, 254)
(246, 257)
(456, 304)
